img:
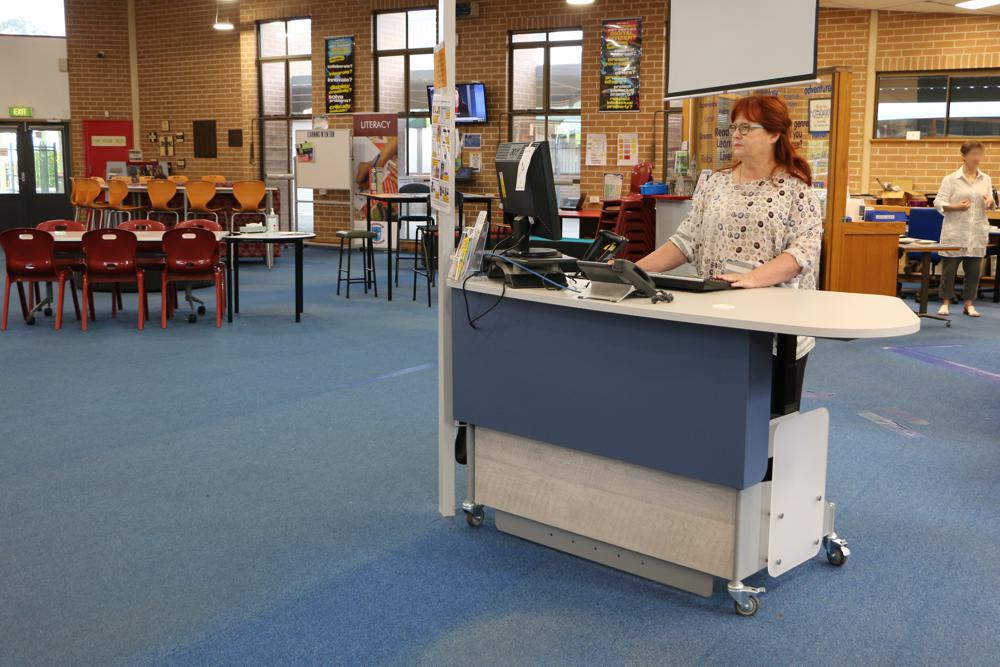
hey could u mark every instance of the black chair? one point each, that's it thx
(367, 259)
(426, 219)
(427, 244)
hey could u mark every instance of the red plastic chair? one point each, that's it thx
(109, 257)
(642, 173)
(143, 226)
(61, 226)
(198, 223)
(72, 261)
(31, 258)
(635, 224)
(192, 253)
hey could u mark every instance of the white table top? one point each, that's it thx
(144, 237)
(270, 236)
(772, 309)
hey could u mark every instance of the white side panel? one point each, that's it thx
(798, 490)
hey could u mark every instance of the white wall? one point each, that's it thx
(30, 76)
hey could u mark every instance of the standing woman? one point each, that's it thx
(963, 198)
(756, 223)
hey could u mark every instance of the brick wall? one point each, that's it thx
(188, 71)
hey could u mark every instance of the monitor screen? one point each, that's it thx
(471, 106)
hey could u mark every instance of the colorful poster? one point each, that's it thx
(340, 74)
(628, 149)
(376, 147)
(621, 50)
(443, 151)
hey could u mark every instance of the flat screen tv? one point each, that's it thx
(471, 102)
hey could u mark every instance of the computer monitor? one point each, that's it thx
(470, 105)
(528, 192)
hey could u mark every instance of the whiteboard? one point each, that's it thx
(329, 166)
(718, 45)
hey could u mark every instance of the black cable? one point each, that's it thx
(465, 297)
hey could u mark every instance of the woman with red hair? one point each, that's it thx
(758, 222)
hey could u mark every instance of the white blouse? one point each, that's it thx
(968, 229)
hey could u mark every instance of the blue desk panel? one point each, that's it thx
(682, 398)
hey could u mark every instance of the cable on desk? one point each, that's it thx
(503, 290)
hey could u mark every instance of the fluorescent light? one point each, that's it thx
(977, 4)
(222, 25)
(590, 2)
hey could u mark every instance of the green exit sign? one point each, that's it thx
(21, 112)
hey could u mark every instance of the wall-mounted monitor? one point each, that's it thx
(471, 102)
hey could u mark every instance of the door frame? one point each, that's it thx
(26, 151)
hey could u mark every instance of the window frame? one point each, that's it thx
(377, 54)
(546, 111)
(950, 74)
(288, 116)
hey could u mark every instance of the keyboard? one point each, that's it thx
(687, 284)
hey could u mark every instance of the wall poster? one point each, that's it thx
(340, 74)
(621, 50)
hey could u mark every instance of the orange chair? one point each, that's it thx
(161, 191)
(200, 195)
(117, 192)
(214, 178)
(75, 198)
(178, 179)
(249, 195)
(90, 193)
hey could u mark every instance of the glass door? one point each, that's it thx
(34, 183)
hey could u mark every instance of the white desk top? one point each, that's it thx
(772, 309)
(144, 237)
(270, 236)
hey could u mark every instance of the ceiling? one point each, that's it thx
(932, 6)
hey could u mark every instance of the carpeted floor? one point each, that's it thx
(265, 494)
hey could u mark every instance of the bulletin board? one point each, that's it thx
(323, 159)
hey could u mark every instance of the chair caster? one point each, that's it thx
(30, 321)
(837, 552)
(48, 312)
(201, 310)
(948, 324)
(192, 318)
(749, 609)
(474, 514)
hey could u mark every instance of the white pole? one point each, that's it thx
(446, 242)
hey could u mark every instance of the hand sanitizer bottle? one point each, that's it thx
(272, 221)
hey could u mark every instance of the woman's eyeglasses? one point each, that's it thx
(744, 128)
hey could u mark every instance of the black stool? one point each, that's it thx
(427, 244)
(367, 257)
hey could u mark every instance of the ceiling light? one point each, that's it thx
(590, 2)
(977, 4)
(226, 25)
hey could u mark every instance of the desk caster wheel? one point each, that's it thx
(48, 312)
(30, 321)
(948, 324)
(476, 517)
(837, 551)
(201, 310)
(837, 557)
(747, 609)
(192, 318)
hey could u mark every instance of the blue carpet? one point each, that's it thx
(265, 494)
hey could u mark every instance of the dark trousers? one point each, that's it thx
(786, 378)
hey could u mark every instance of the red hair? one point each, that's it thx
(772, 113)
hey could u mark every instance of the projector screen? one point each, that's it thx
(718, 45)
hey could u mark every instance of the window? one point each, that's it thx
(404, 67)
(40, 17)
(544, 98)
(963, 104)
(284, 51)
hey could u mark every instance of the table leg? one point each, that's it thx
(925, 281)
(236, 278)
(388, 250)
(996, 275)
(229, 280)
(184, 203)
(298, 280)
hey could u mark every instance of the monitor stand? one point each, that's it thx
(545, 261)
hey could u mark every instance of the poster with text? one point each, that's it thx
(443, 149)
(628, 149)
(621, 50)
(340, 74)
(376, 160)
(597, 150)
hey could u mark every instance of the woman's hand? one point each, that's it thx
(745, 280)
(963, 205)
(988, 202)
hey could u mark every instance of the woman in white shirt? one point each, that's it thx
(757, 223)
(963, 198)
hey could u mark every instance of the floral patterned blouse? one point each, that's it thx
(735, 227)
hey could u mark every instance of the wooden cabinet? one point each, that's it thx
(866, 258)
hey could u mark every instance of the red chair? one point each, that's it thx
(198, 223)
(73, 262)
(192, 253)
(31, 258)
(143, 226)
(642, 173)
(634, 223)
(109, 257)
(610, 208)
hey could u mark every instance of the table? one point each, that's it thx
(925, 250)
(678, 482)
(995, 237)
(233, 264)
(390, 198)
(588, 217)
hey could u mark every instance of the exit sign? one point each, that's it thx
(21, 112)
